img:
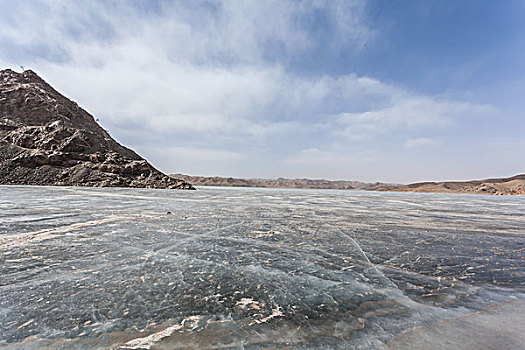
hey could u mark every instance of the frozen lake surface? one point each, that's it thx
(252, 268)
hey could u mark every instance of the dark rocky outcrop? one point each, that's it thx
(47, 139)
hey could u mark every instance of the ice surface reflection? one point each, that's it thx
(258, 268)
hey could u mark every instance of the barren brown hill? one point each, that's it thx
(505, 186)
(47, 139)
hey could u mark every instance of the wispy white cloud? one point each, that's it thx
(409, 112)
(421, 142)
(322, 158)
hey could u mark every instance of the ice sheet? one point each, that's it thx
(254, 268)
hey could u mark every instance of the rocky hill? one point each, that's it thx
(275, 183)
(505, 186)
(47, 139)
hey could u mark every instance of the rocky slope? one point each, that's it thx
(506, 186)
(277, 183)
(47, 139)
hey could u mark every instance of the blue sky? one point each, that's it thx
(392, 91)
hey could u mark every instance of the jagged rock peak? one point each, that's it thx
(9, 77)
(47, 139)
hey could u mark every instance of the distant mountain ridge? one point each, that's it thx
(504, 186)
(47, 139)
(276, 183)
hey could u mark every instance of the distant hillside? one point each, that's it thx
(277, 183)
(47, 139)
(506, 186)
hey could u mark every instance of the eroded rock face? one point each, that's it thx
(47, 139)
